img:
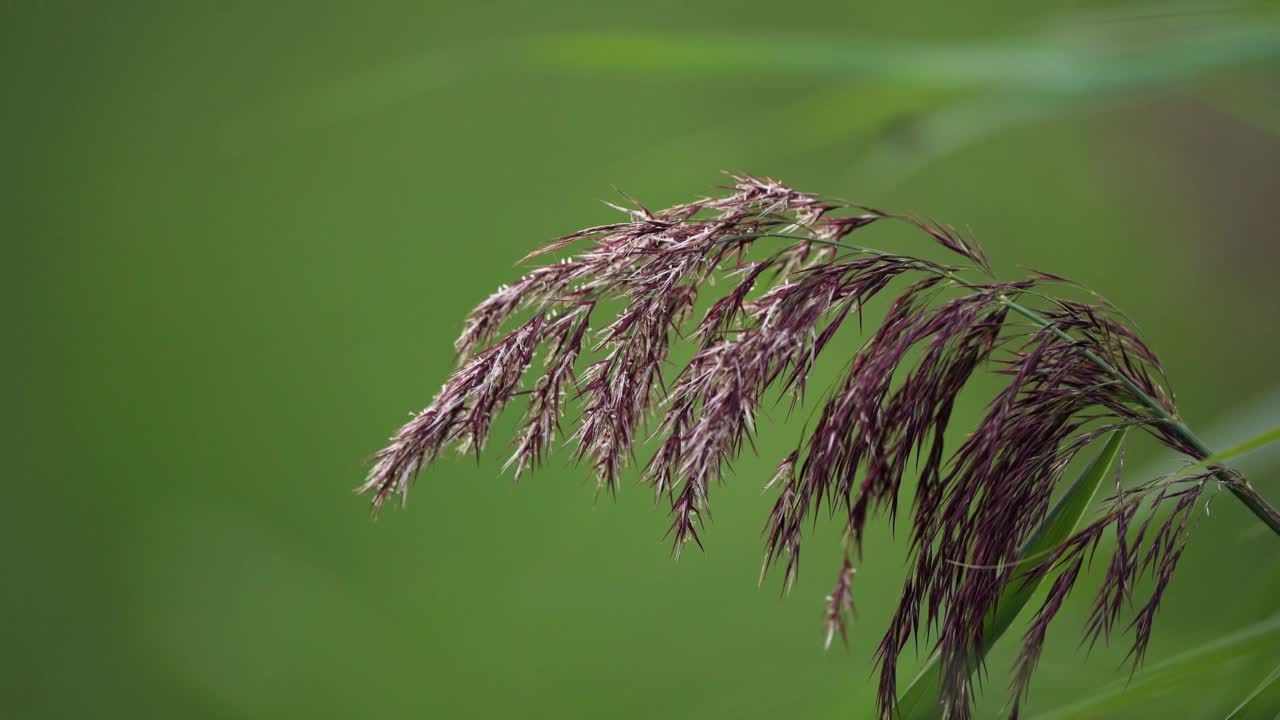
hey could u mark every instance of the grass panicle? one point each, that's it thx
(780, 273)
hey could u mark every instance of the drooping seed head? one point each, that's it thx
(793, 279)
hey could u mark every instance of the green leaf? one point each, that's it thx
(1255, 443)
(914, 103)
(1248, 702)
(1196, 667)
(1034, 62)
(920, 701)
(782, 56)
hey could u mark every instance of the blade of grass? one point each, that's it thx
(1195, 665)
(1267, 682)
(1255, 443)
(920, 701)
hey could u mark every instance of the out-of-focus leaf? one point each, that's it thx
(1034, 62)
(1250, 703)
(922, 102)
(1198, 664)
(920, 701)
(782, 56)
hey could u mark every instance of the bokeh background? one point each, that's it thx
(240, 237)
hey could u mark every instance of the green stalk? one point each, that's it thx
(920, 701)
(1239, 486)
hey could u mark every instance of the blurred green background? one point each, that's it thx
(242, 235)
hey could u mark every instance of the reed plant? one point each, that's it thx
(759, 280)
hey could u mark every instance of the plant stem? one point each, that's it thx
(1239, 486)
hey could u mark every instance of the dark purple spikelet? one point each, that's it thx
(792, 279)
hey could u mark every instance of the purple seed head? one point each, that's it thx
(779, 276)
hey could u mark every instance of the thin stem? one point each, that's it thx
(1239, 486)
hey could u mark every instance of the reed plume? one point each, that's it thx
(1072, 371)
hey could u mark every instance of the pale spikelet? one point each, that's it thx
(791, 280)
(840, 603)
(460, 414)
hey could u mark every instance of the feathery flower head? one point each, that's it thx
(793, 277)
